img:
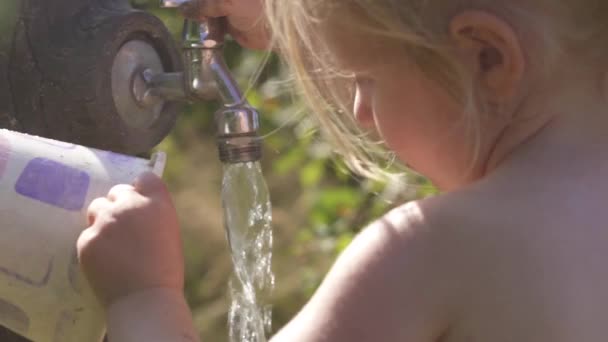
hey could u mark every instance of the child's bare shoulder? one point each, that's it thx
(455, 239)
(401, 268)
(450, 221)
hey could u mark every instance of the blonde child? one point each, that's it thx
(502, 104)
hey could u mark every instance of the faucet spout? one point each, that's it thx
(207, 77)
(227, 88)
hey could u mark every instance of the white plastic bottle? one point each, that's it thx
(45, 189)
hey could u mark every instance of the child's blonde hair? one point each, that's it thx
(547, 28)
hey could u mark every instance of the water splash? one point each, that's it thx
(247, 219)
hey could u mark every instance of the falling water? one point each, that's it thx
(247, 218)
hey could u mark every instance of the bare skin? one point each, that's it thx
(471, 265)
(514, 251)
(245, 19)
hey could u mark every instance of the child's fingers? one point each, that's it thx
(83, 243)
(149, 184)
(119, 190)
(96, 207)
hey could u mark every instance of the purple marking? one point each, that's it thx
(32, 282)
(12, 315)
(54, 183)
(5, 153)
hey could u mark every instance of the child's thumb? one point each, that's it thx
(149, 184)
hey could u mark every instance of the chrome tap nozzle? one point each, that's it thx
(206, 77)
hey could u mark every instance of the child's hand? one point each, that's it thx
(246, 20)
(132, 242)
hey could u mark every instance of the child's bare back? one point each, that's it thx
(532, 258)
(536, 266)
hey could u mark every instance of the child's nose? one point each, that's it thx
(362, 108)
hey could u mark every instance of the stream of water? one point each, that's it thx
(247, 219)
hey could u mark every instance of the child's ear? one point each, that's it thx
(491, 48)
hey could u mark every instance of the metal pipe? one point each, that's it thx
(227, 88)
(207, 77)
(166, 86)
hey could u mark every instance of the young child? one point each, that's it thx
(502, 104)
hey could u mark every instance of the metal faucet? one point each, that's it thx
(206, 77)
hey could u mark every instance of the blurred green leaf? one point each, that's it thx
(312, 174)
(343, 241)
(290, 160)
(338, 198)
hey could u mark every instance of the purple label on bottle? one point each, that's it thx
(54, 183)
(5, 153)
